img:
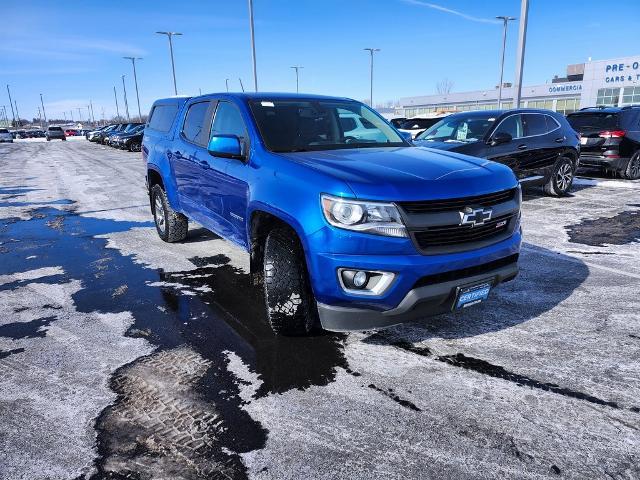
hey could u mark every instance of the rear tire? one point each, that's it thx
(561, 178)
(170, 225)
(291, 306)
(632, 172)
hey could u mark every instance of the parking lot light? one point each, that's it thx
(522, 40)
(44, 113)
(135, 81)
(371, 50)
(504, 46)
(296, 68)
(253, 46)
(173, 66)
(126, 104)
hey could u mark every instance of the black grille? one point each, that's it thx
(465, 272)
(430, 206)
(456, 234)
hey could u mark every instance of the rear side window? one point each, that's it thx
(162, 117)
(347, 124)
(534, 124)
(197, 122)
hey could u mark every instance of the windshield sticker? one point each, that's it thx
(267, 104)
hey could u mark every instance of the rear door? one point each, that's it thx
(544, 139)
(514, 153)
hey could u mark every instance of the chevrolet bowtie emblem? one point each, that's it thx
(473, 217)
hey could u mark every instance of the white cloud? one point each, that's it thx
(440, 8)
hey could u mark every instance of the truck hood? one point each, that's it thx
(408, 173)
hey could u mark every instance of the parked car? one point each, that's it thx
(5, 136)
(99, 135)
(417, 125)
(397, 122)
(539, 145)
(55, 133)
(131, 140)
(609, 138)
(123, 129)
(70, 132)
(345, 231)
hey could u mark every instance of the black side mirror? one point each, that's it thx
(499, 138)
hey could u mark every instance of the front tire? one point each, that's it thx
(561, 178)
(632, 172)
(170, 225)
(291, 307)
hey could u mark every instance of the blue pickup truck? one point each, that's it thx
(348, 225)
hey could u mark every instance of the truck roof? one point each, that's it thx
(273, 95)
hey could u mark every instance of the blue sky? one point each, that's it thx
(72, 51)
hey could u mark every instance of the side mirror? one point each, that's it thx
(407, 136)
(228, 146)
(499, 138)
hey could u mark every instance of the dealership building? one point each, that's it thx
(603, 82)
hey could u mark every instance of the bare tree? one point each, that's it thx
(444, 86)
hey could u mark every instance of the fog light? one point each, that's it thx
(361, 282)
(360, 279)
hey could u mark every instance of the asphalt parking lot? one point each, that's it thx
(125, 357)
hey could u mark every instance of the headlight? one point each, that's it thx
(369, 217)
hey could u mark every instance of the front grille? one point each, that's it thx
(465, 272)
(431, 206)
(445, 236)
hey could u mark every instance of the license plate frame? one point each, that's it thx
(472, 294)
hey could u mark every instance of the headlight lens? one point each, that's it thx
(370, 217)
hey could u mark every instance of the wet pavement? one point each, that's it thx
(124, 357)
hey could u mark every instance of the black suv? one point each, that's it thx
(539, 145)
(610, 138)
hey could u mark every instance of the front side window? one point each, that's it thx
(228, 121)
(302, 125)
(459, 128)
(512, 125)
(196, 126)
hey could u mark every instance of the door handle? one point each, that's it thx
(204, 164)
(560, 139)
(522, 147)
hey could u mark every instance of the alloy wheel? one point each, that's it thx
(634, 167)
(564, 176)
(159, 214)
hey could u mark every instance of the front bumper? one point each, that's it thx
(596, 161)
(417, 303)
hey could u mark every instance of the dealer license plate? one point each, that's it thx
(584, 140)
(472, 295)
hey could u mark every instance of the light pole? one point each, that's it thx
(135, 79)
(64, 114)
(226, 82)
(126, 104)
(115, 95)
(173, 67)
(39, 118)
(71, 112)
(253, 46)
(372, 51)
(44, 113)
(17, 113)
(522, 40)
(241, 85)
(13, 114)
(296, 68)
(506, 21)
(79, 115)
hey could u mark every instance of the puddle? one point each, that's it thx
(622, 229)
(178, 411)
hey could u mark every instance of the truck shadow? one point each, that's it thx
(546, 279)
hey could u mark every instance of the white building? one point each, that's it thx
(603, 82)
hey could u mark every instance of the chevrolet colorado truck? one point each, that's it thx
(347, 229)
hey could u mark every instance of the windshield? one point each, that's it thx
(458, 129)
(304, 125)
(595, 121)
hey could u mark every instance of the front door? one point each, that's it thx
(515, 153)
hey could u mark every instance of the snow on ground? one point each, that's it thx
(121, 355)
